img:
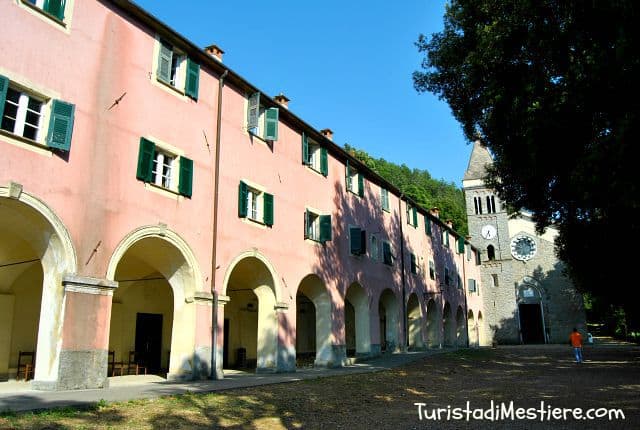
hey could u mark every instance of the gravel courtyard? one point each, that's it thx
(526, 375)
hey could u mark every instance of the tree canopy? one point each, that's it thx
(421, 187)
(552, 88)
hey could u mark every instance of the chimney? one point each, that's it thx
(214, 51)
(327, 133)
(282, 100)
(450, 223)
(435, 211)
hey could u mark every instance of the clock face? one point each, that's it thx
(488, 232)
(523, 248)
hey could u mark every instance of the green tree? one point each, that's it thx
(420, 186)
(552, 88)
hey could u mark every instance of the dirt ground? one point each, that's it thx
(526, 376)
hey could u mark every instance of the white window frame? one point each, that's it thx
(255, 204)
(314, 155)
(353, 185)
(22, 108)
(166, 178)
(177, 87)
(313, 226)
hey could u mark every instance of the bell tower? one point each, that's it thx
(489, 230)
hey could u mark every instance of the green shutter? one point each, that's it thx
(268, 209)
(445, 237)
(348, 177)
(55, 8)
(355, 240)
(4, 86)
(360, 185)
(185, 185)
(363, 242)
(193, 78)
(242, 200)
(415, 217)
(386, 253)
(271, 124)
(305, 149)
(413, 264)
(60, 125)
(325, 228)
(145, 160)
(324, 162)
(460, 245)
(164, 62)
(306, 224)
(253, 111)
(427, 225)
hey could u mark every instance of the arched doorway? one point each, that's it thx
(530, 312)
(35, 252)
(388, 313)
(414, 323)
(449, 326)
(153, 317)
(461, 328)
(356, 324)
(313, 322)
(251, 321)
(474, 340)
(433, 324)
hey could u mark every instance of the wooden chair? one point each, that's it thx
(135, 364)
(25, 364)
(117, 367)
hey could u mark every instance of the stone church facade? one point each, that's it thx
(527, 298)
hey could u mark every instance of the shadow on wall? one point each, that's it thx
(354, 262)
(547, 308)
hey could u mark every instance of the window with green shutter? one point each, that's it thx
(242, 200)
(185, 184)
(314, 156)
(427, 225)
(325, 228)
(162, 168)
(460, 245)
(360, 185)
(357, 241)
(324, 162)
(384, 198)
(415, 217)
(253, 112)
(55, 8)
(271, 124)
(268, 209)
(305, 150)
(193, 79)
(60, 125)
(387, 257)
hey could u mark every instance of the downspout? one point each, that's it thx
(464, 291)
(404, 302)
(214, 265)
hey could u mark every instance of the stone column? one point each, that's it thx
(85, 333)
(204, 324)
(286, 361)
(218, 331)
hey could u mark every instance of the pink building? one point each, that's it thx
(124, 249)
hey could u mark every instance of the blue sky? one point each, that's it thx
(345, 65)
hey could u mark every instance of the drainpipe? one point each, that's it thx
(464, 291)
(404, 304)
(214, 265)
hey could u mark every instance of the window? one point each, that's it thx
(374, 248)
(446, 276)
(477, 205)
(491, 253)
(427, 225)
(432, 270)
(387, 256)
(412, 215)
(414, 265)
(494, 279)
(384, 199)
(357, 241)
(177, 70)
(314, 156)
(491, 204)
(460, 245)
(459, 282)
(354, 180)
(317, 227)
(255, 204)
(53, 8)
(469, 251)
(262, 122)
(472, 285)
(164, 168)
(445, 238)
(24, 113)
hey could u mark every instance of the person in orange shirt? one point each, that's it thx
(576, 342)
